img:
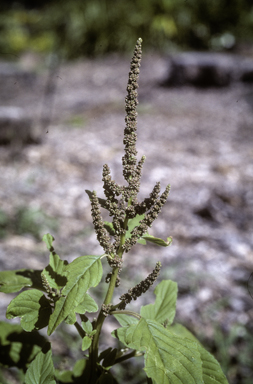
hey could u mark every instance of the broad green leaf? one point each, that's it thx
(181, 331)
(55, 271)
(41, 370)
(102, 202)
(132, 223)
(14, 341)
(33, 308)
(14, 281)
(71, 318)
(86, 343)
(10, 351)
(169, 359)
(125, 320)
(164, 308)
(87, 305)
(83, 273)
(157, 241)
(212, 372)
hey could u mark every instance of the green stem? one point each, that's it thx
(127, 356)
(130, 313)
(108, 300)
(79, 329)
(99, 324)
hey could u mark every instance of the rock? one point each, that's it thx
(15, 127)
(208, 69)
(247, 71)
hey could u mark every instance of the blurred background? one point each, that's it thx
(96, 27)
(63, 75)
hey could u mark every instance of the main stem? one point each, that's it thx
(107, 300)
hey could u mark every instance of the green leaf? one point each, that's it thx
(87, 326)
(104, 353)
(109, 358)
(33, 308)
(14, 342)
(83, 273)
(157, 241)
(55, 271)
(181, 331)
(169, 359)
(132, 223)
(80, 373)
(106, 378)
(164, 309)
(48, 239)
(82, 369)
(64, 376)
(14, 281)
(71, 318)
(212, 372)
(125, 320)
(86, 343)
(141, 241)
(79, 367)
(41, 370)
(109, 227)
(87, 305)
(102, 202)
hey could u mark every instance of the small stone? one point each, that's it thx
(15, 127)
(208, 69)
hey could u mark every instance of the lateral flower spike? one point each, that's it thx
(148, 220)
(139, 289)
(102, 234)
(129, 159)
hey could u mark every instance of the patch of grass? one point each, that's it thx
(32, 221)
(234, 350)
(27, 220)
(77, 121)
(232, 347)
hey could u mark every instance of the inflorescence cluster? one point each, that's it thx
(121, 201)
(139, 289)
